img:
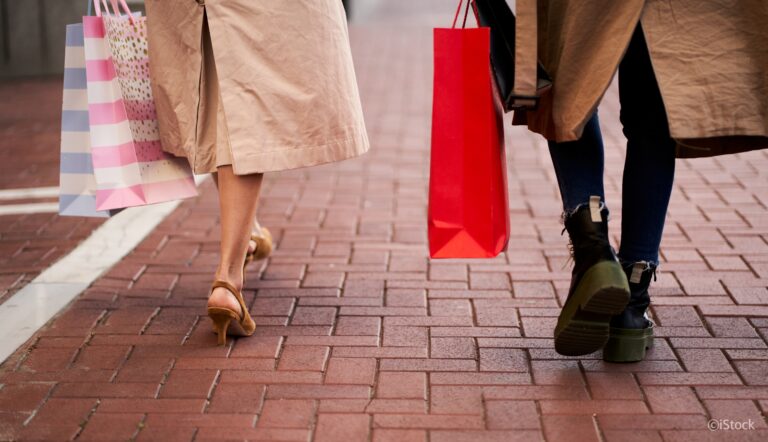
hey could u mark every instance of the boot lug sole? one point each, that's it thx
(584, 322)
(628, 345)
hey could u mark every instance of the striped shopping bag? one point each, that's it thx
(130, 166)
(77, 184)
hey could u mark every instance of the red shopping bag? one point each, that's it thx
(468, 208)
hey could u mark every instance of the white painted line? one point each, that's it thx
(34, 305)
(24, 209)
(32, 192)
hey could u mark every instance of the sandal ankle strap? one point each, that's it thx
(238, 295)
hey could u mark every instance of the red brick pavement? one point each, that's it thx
(361, 338)
(30, 115)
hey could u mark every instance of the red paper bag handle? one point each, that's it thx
(466, 13)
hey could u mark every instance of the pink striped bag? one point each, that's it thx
(129, 164)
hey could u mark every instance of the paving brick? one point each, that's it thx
(535, 392)
(392, 435)
(427, 421)
(349, 341)
(731, 327)
(495, 359)
(351, 371)
(512, 415)
(597, 406)
(106, 390)
(456, 348)
(290, 391)
(357, 326)
(314, 316)
(484, 436)
(23, 397)
(406, 298)
(532, 289)
(343, 405)
(556, 372)
(613, 386)
(48, 359)
(271, 377)
(735, 410)
(632, 436)
(753, 372)
(570, 427)
(538, 327)
(489, 281)
(188, 384)
(492, 313)
(405, 336)
(303, 357)
(450, 307)
(189, 363)
(688, 379)
(108, 426)
(264, 306)
(677, 316)
(487, 378)
(336, 427)
(450, 399)
(287, 413)
(258, 347)
(475, 332)
(101, 357)
(120, 405)
(240, 433)
(138, 369)
(396, 406)
(325, 279)
(169, 434)
(234, 398)
(672, 400)
(447, 272)
(704, 360)
(427, 365)
(634, 421)
(63, 412)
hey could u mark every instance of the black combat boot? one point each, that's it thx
(631, 331)
(599, 288)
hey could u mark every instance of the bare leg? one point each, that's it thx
(256, 229)
(238, 199)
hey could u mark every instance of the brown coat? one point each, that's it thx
(710, 59)
(273, 81)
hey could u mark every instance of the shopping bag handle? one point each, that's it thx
(115, 8)
(466, 13)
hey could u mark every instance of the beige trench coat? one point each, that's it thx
(268, 83)
(710, 59)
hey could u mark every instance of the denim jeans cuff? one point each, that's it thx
(568, 212)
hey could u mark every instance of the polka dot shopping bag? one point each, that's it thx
(129, 164)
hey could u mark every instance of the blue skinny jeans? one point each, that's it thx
(649, 167)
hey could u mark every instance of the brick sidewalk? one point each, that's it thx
(30, 125)
(360, 337)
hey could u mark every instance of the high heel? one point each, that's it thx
(263, 247)
(222, 317)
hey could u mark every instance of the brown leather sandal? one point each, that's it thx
(222, 316)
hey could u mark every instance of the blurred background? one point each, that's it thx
(32, 33)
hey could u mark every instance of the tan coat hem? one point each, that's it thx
(249, 162)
